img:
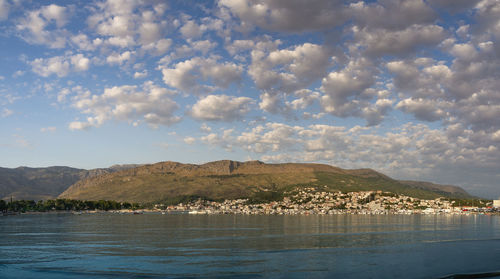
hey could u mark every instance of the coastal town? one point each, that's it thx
(304, 200)
(309, 201)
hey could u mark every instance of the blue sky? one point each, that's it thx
(409, 88)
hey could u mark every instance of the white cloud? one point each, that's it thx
(4, 9)
(455, 6)
(192, 30)
(48, 129)
(237, 46)
(305, 99)
(201, 75)
(189, 140)
(22, 142)
(149, 32)
(158, 47)
(205, 128)
(128, 23)
(6, 112)
(392, 15)
(463, 92)
(382, 41)
(55, 13)
(464, 51)
(221, 108)
(288, 70)
(192, 48)
(349, 92)
(120, 58)
(289, 16)
(36, 26)
(142, 74)
(274, 103)
(224, 140)
(80, 62)
(60, 65)
(414, 151)
(150, 104)
(423, 109)
(18, 73)
(83, 42)
(78, 125)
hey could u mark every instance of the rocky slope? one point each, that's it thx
(231, 179)
(45, 183)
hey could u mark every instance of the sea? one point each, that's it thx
(106, 245)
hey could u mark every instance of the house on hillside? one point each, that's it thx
(496, 203)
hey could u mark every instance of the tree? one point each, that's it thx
(3, 205)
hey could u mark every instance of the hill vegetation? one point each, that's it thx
(25, 183)
(168, 181)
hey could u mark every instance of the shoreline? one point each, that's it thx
(212, 212)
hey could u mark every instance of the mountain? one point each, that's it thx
(230, 179)
(45, 183)
(438, 188)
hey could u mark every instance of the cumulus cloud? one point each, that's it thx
(429, 60)
(79, 125)
(60, 65)
(279, 73)
(4, 9)
(274, 102)
(201, 75)
(6, 112)
(454, 6)
(224, 140)
(45, 26)
(349, 92)
(422, 109)
(48, 129)
(158, 47)
(189, 140)
(413, 150)
(192, 30)
(128, 23)
(191, 49)
(388, 42)
(150, 104)
(393, 14)
(120, 58)
(463, 92)
(305, 98)
(289, 16)
(142, 74)
(221, 108)
(270, 137)
(83, 42)
(288, 70)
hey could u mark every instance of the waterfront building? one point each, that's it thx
(496, 203)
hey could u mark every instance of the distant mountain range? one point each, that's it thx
(230, 179)
(45, 183)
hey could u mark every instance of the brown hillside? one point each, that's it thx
(230, 179)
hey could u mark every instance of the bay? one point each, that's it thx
(240, 246)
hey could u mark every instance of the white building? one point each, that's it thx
(496, 203)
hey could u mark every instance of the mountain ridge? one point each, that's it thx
(233, 179)
(40, 183)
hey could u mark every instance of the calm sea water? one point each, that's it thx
(234, 246)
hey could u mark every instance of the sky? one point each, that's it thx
(409, 88)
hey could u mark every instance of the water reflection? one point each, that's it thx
(243, 246)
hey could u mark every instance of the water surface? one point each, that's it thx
(238, 246)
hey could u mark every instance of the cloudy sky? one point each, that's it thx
(409, 88)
